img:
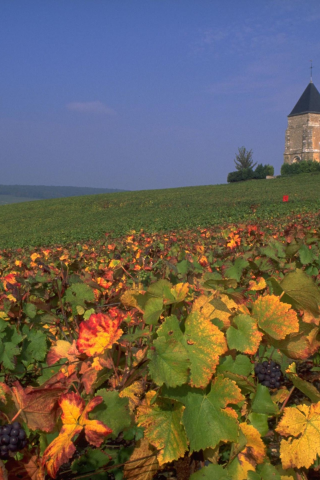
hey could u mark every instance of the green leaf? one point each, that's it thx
(30, 310)
(305, 254)
(262, 402)
(79, 294)
(35, 348)
(303, 290)
(260, 422)
(235, 272)
(169, 361)
(153, 310)
(205, 419)
(183, 267)
(246, 337)
(91, 461)
(241, 365)
(264, 472)
(211, 472)
(8, 351)
(113, 411)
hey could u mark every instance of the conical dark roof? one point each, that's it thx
(309, 102)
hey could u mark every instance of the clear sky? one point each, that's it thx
(141, 94)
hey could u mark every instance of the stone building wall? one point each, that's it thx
(302, 138)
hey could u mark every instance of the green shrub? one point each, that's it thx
(262, 171)
(240, 175)
(306, 166)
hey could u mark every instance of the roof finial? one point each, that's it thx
(311, 72)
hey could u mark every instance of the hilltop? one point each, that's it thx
(24, 193)
(76, 219)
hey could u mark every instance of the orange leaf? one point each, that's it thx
(62, 349)
(99, 333)
(75, 419)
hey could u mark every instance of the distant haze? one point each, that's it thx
(148, 94)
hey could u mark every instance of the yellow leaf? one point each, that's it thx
(74, 418)
(252, 455)
(302, 422)
(280, 396)
(180, 291)
(133, 393)
(208, 311)
(34, 256)
(260, 284)
(162, 422)
(143, 464)
(128, 299)
(277, 319)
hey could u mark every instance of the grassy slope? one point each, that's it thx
(80, 218)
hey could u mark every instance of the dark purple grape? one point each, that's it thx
(13, 448)
(277, 384)
(4, 449)
(266, 384)
(14, 440)
(261, 377)
(14, 432)
(24, 443)
(5, 439)
(22, 434)
(6, 430)
(16, 425)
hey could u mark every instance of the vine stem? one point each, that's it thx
(16, 415)
(286, 400)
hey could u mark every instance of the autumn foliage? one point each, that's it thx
(134, 356)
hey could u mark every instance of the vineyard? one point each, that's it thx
(78, 219)
(191, 353)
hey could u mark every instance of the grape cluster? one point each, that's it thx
(12, 439)
(269, 374)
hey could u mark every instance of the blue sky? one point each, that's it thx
(136, 94)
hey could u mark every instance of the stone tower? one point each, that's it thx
(303, 132)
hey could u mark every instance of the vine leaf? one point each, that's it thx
(207, 417)
(169, 361)
(113, 411)
(305, 387)
(275, 318)
(62, 349)
(211, 472)
(163, 428)
(143, 464)
(246, 337)
(133, 393)
(74, 418)
(98, 334)
(39, 406)
(302, 289)
(28, 468)
(302, 422)
(204, 343)
(252, 455)
(300, 345)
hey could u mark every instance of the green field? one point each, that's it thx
(71, 219)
